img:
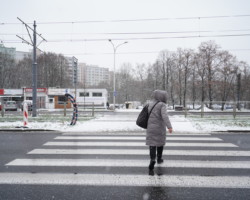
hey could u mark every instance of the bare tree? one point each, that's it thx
(124, 82)
(244, 69)
(180, 72)
(188, 55)
(24, 68)
(53, 71)
(201, 71)
(172, 78)
(7, 68)
(208, 52)
(166, 58)
(227, 73)
(162, 65)
(141, 76)
(194, 79)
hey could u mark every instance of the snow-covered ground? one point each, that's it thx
(126, 123)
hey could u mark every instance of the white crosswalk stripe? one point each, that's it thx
(131, 146)
(137, 144)
(134, 138)
(125, 180)
(131, 133)
(128, 163)
(138, 152)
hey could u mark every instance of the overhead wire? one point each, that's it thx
(147, 38)
(132, 20)
(143, 33)
(135, 38)
(135, 52)
(140, 33)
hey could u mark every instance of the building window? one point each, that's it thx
(84, 94)
(62, 99)
(97, 94)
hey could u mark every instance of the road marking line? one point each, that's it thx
(137, 144)
(130, 133)
(125, 180)
(139, 152)
(132, 138)
(128, 163)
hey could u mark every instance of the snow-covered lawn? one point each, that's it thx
(125, 122)
(221, 123)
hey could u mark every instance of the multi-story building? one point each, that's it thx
(8, 50)
(92, 75)
(21, 55)
(87, 75)
(81, 74)
(73, 71)
(17, 55)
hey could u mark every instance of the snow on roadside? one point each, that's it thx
(120, 123)
(126, 123)
(221, 125)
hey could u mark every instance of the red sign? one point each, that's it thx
(44, 90)
(1, 91)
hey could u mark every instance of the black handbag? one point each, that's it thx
(142, 119)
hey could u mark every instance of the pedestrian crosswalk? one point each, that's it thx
(135, 144)
(127, 157)
(138, 152)
(128, 163)
(126, 180)
(133, 138)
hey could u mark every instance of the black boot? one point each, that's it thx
(151, 165)
(159, 155)
(152, 151)
(160, 160)
(151, 168)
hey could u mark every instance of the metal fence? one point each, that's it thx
(65, 108)
(213, 108)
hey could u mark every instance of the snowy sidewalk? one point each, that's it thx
(121, 122)
(102, 124)
(127, 124)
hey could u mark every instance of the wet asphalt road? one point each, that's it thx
(17, 145)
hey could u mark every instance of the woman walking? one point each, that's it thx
(156, 130)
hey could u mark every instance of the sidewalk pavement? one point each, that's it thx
(121, 123)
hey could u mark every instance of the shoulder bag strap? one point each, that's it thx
(152, 108)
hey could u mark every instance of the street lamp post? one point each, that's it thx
(115, 48)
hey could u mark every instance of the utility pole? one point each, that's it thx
(34, 74)
(115, 48)
(238, 90)
(75, 73)
(33, 42)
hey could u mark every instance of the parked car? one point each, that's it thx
(10, 105)
(29, 103)
(178, 108)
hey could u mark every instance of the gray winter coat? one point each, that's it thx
(158, 120)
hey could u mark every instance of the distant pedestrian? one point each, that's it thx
(156, 130)
(107, 104)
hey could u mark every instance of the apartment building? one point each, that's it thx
(17, 55)
(8, 50)
(92, 75)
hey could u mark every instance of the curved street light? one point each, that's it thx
(115, 48)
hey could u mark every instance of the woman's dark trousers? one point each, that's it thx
(152, 151)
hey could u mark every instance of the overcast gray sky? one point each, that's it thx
(81, 28)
